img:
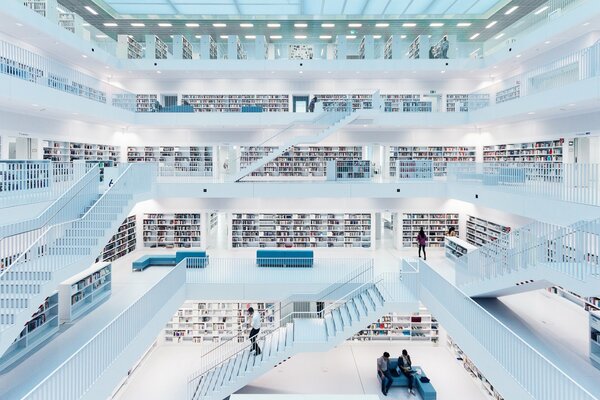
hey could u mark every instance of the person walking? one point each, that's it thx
(422, 242)
(384, 373)
(255, 325)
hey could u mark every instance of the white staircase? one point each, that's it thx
(335, 120)
(65, 249)
(231, 366)
(535, 256)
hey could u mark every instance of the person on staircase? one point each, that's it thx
(255, 325)
(405, 366)
(384, 373)
(422, 242)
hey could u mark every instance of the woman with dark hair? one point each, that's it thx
(422, 242)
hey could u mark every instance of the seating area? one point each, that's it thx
(168, 260)
(425, 389)
(285, 258)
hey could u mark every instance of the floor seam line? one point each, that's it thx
(357, 371)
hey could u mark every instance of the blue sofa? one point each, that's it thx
(285, 258)
(426, 390)
(168, 260)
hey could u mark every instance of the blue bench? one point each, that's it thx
(169, 260)
(285, 258)
(425, 389)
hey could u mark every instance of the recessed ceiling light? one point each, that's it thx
(300, 25)
(443, 71)
(541, 10)
(376, 36)
(192, 25)
(273, 25)
(518, 55)
(547, 42)
(354, 25)
(325, 37)
(158, 72)
(436, 24)
(138, 24)
(572, 105)
(402, 36)
(327, 25)
(101, 36)
(85, 24)
(586, 24)
(84, 56)
(350, 36)
(224, 36)
(382, 25)
(300, 72)
(35, 105)
(250, 36)
(110, 24)
(275, 36)
(91, 10)
(475, 36)
(300, 37)
(463, 24)
(198, 36)
(499, 36)
(409, 24)
(246, 25)
(164, 24)
(488, 26)
(219, 25)
(530, 113)
(511, 10)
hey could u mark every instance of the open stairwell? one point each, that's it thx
(334, 120)
(65, 249)
(535, 256)
(295, 333)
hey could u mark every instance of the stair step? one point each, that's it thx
(330, 325)
(369, 302)
(282, 337)
(337, 318)
(235, 371)
(360, 304)
(345, 313)
(245, 361)
(353, 310)
(376, 296)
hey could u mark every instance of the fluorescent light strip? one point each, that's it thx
(300, 37)
(275, 37)
(101, 36)
(402, 36)
(246, 25)
(198, 36)
(354, 25)
(164, 24)
(499, 36)
(409, 24)
(488, 26)
(463, 24)
(350, 36)
(192, 25)
(91, 10)
(250, 36)
(327, 25)
(219, 25)
(436, 24)
(300, 25)
(382, 25)
(376, 36)
(475, 36)
(274, 25)
(110, 24)
(541, 10)
(511, 10)
(138, 24)
(325, 37)
(60, 10)
(224, 36)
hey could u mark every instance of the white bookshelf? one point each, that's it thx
(175, 160)
(43, 324)
(234, 103)
(456, 247)
(39, 6)
(299, 161)
(67, 21)
(187, 49)
(300, 52)
(549, 151)
(122, 242)
(388, 48)
(435, 225)
(172, 230)
(439, 155)
(595, 338)
(357, 170)
(214, 322)
(400, 102)
(160, 49)
(481, 231)
(84, 291)
(213, 49)
(145, 102)
(414, 48)
(68, 151)
(421, 326)
(213, 219)
(466, 362)
(301, 230)
(128, 47)
(340, 102)
(511, 93)
(587, 303)
(466, 102)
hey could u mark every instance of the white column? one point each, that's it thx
(453, 46)
(424, 46)
(342, 48)
(205, 223)
(178, 47)
(397, 230)
(232, 52)
(150, 47)
(369, 49)
(260, 47)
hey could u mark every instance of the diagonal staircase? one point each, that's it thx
(228, 368)
(535, 256)
(65, 249)
(334, 120)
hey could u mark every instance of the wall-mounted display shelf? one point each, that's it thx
(301, 230)
(414, 48)
(172, 230)
(487, 387)
(549, 151)
(439, 155)
(466, 102)
(435, 225)
(18, 175)
(340, 170)
(481, 231)
(42, 325)
(69, 151)
(595, 338)
(39, 6)
(84, 291)
(20, 70)
(393, 326)
(175, 160)
(123, 242)
(213, 322)
(511, 93)
(234, 103)
(299, 161)
(456, 248)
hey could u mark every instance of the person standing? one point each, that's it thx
(311, 105)
(255, 325)
(422, 242)
(445, 46)
(384, 373)
(405, 365)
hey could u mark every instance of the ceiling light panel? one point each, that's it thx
(463, 24)
(246, 25)
(511, 10)
(191, 25)
(91, 10)
(138, 24)
(382, 25)
(300, 25)
(273, 25)
(327, 25)
(491, 24)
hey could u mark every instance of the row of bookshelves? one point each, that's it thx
(234, 103)
(63, 151)
(550, 151)
(172, 230)
(440, 155)
(418, 326)
(82, 292)
(481, 231)
(122, 242)
(435, 226)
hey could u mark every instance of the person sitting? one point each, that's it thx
(405, 367)
(384, 373)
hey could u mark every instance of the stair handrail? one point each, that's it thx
(278, 324)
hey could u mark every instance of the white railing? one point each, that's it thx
(75, 376)
(64, 244)
(23, 64)
(185, 169)
(535, 373)
(17, 237)
(414, 170)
